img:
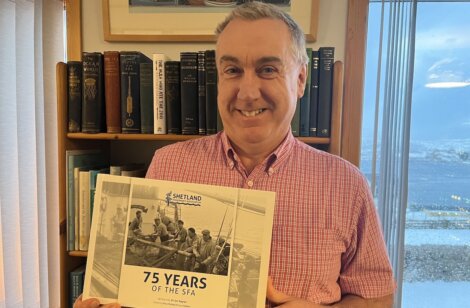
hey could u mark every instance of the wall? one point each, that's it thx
(331, 32)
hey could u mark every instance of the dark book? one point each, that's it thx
(130, 90)
(159, 104)
(295, 123)
(93, 109)
(74, 96)
(314, 93)
(172, 97)
(201, 86)
(211, 92)
(305, 100)
(76, 280)
(146, 98)
(189, 94)
(325, 90)
(112, 91)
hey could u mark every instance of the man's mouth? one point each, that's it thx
(252, 113)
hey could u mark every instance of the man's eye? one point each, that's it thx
(267, 71)
(231, 70)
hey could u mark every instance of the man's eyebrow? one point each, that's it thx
(263, 60)
(228, 58)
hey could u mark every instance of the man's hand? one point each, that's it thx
(285, 301)
(92, 303)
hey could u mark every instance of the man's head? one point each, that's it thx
(191, 232)
(261, 63)
(180, 224)
(206, 235)
(138, 214)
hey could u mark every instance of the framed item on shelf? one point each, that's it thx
(187, 20)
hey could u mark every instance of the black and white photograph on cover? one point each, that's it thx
(178, 229)
(107, 239)
(199, 3)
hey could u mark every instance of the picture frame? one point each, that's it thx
(125, 23)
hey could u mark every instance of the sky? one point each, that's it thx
(441, 89)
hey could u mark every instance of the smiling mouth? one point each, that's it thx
(252, 113)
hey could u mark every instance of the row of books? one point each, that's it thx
(82, 169)
(76, 282)
(313, 114)
(128, 92)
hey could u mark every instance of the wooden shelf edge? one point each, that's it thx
(77, 253)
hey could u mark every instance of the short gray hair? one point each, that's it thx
(257, 10)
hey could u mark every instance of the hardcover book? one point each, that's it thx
(159, 105)
(74, 96)
(314, 94)
(211, 92)
(112, 91)
(165, 244)
(173, 97)
(146, 98)
(189, 94)
(325, 90)
(201, 91)
(93, 117)
(305, 100)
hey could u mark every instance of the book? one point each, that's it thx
(211, 92)
(172, 97)
(159, 103)
(146, 98)
(130, 90)
(93, 176)
(76, 159)
(325, 90)
(314, 93)
(130, 261)
(74, 96)
(189, 94)
(201, 91)
(84, 209)
(112, 91)
(93, 107)
(131, 169)
(305, 100)
(76, 279)
(295, 123)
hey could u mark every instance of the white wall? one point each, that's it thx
(331, 32)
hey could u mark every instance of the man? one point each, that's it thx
(327, 246)
(204, 252)
(135, 226)
(181, 234)
(161, 231)
(190, 246)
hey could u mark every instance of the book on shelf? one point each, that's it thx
(146, 98)
(112, 91)
(295, 123)
(93, 106)
(131, 261)
(159, 104)
(189, 94)
(211, 92)
(201, 92)
(74, 96)
(84, 209)
(325, 90)
(131, 169)
(305, 100)
(314, 93)
(76, 279)
(130, 90)
(173, 97)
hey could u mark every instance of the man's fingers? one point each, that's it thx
(275, 296)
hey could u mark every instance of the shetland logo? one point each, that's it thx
(183, 199)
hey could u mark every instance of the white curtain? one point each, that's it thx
(392, 125)
(31, 42)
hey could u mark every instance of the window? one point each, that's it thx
(437, 227)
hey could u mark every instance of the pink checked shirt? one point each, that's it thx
(327, 239)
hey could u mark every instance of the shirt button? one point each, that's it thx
(271, 171)
(250, 183)
(231, 164)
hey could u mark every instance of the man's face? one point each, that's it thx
(206, 237)
(259, 82)
(138, 214)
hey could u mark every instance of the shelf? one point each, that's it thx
(168, 137)
(77, 253)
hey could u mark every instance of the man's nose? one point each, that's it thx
(249, 87)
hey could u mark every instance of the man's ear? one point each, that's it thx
(301, 80)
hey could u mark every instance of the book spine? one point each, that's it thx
(325, 91)
(112, 91)
(172, 96)
(70, 206)
(314, 94)
(76, 202)
(130, 92)
(146, 98)
(84, 210)
(74, 96)
(201, 86)
(92, 96)
(189, 94)
(159, 106)
(211, 92)
(295, 123)
(76, 279)
(305, 100)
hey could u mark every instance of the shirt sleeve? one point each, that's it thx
(366, 269)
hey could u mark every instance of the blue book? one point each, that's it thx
(305, 101)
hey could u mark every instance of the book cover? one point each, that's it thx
(295, 123)
(76, 279)
(74, 96)
(112, 91)
(159, 103)
(325, 90)
(223, 261)
(211, 92)
(146, 98)
(189, 94)
(201, 91)
(84, 209)
(93, 107)
(173, 97)
(314, 93)
(305, 100)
